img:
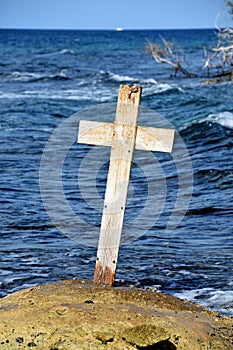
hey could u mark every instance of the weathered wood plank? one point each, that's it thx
(154, 139)
(147, 139)
(123, 136)
(123, 142)
(95, 133)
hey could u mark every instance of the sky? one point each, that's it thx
(110, 14)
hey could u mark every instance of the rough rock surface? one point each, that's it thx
(76, 315)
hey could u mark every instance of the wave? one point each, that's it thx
(82, 94)
(34, 77)
(31, 227)
(153, 87)
(66, 51)
(46, 94)
(19, 76)
(224, 119)
(156, 88)
(224, 177)
(218, 300)
(101, 88)
(150, 86)
(210, 211)
(56, 53)
(109, 76)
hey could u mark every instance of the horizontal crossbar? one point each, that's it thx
(147, 138)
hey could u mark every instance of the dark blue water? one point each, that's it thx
(46, 77)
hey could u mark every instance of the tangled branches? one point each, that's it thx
(222, 57)
(219, 61)
(166, 53)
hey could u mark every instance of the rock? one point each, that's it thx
(73, 315)
(145, 335)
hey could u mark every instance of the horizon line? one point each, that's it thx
(108, 29)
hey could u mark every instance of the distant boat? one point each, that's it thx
(119, 29)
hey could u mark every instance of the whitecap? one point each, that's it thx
(160, 87)
(82, 94)
(66, 51)
(55, 53)
(149, 81)
(116, 77)
(218, 300)
(32, 77)
(156, 88)
(223, 118)
(24, 76)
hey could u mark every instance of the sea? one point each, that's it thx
(177, 235)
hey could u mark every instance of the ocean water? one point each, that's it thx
(48, 78)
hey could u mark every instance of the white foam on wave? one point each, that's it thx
(223, 118)
(48, 94)
(97, 92)
(56, 53)
(149, 81)
(218, 300)
(150, 85)
(24, 76)
(31, 77)
(116, 77)
(66, 51)
(156, 88)
(79, 94)
(87, 94)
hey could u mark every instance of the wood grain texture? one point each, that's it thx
(154, 139)
(95, 133)
(123, 142)
(123, 136)
(147, 139)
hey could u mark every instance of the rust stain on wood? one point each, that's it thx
(104, 275)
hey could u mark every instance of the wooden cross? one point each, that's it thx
(123, 137)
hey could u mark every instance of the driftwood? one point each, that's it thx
(219, 61)
(166, 53)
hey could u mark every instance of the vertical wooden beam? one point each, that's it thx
(123, 144)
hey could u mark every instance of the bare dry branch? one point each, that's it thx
(222, 54)
(166, 53)
(219, 60)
